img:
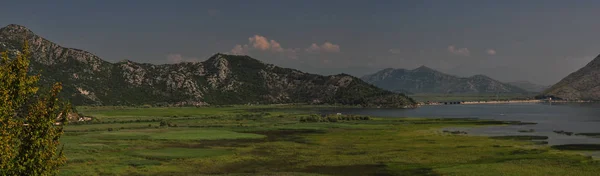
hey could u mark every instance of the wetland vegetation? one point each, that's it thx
(276, 140)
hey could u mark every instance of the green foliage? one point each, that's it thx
(165, 123)
(332, 118)
(30, 138)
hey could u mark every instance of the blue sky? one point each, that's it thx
(540, 41)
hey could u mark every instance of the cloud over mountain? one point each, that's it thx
(459, 51)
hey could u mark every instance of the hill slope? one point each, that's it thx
(583, 84)
(222, 79)
(427, 80)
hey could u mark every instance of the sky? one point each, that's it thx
(540, 41)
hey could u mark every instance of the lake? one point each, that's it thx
(569, 117)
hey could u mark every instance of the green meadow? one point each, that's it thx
(275, 140)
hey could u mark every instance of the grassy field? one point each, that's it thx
(274, 141)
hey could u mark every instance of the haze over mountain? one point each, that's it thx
(583, 84)
(529, 86)
(222, 79)
(426, 80)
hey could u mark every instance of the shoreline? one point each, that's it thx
(541, 138)
(499, 102)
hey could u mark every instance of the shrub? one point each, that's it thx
(164, 123)
(302, 119)
(313, 118)
(332, 118)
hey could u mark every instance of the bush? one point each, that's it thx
(332, 118)
(164, 123)
(302, 119)
(314, 118)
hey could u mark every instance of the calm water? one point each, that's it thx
(577, 118)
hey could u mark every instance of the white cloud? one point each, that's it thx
(276, 47)
(491, 51)
(239, 50)
(313, 48)
(261, 43)
(258, 43)
(325, 47)
(460, 51)
(178, 58)
(329, 47)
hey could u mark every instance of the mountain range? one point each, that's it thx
(426, 80)
(583, 84)
(221, 79)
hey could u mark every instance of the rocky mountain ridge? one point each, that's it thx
(222, 79)
(583, 84)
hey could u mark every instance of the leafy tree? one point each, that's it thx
(29, 137)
